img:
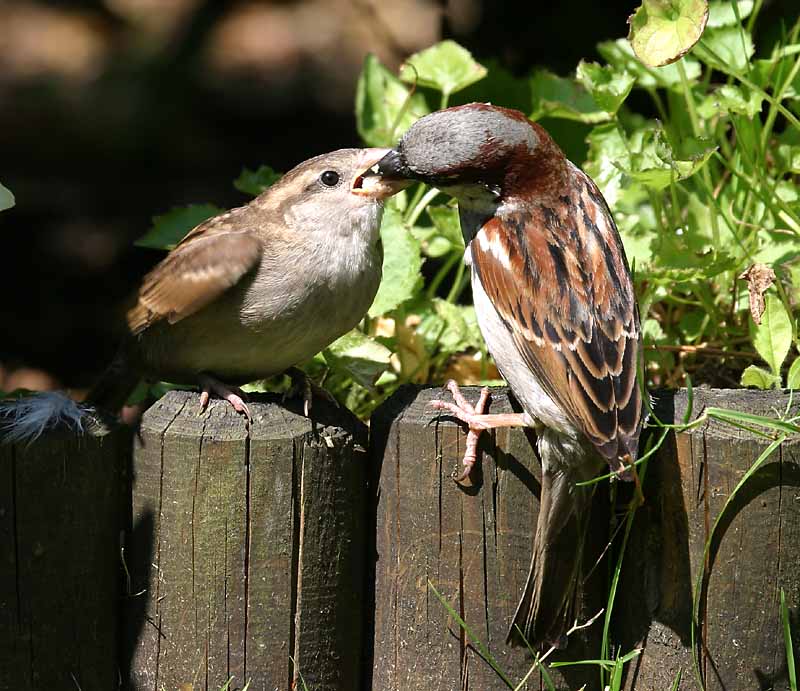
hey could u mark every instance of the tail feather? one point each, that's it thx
(548, 603)
(26, 419)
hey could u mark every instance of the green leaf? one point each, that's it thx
(788, 158)
(254, 182)
(446, 67)
(793, 377)
(768, 73)
(170, 228)
(361, 357)
(620, 54)
(759, 378)
(733, 45)
(663, 31)
(654, 162)
(560, 97)
(721, 12)
(450, 327)
(6, 198)
(385, 108)
(607, 86)
(402, 260)
(729, 99)
(772, 338)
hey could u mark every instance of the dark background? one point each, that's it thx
(112, 111)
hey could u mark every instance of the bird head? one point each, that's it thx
(475, 152)
(336, 191)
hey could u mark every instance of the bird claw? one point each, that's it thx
(303, 385)
(233, 395)
(471, 416)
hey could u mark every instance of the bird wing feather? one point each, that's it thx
(557, 275)
(207, 262)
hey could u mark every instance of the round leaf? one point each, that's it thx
(446, 67)
(663, 31)
(6, 198)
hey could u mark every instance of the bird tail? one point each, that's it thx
(26, 419)
(548, 603)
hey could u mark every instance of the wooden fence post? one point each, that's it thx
(60, 522)
(754, 553)
(247, 548)
(474, 547)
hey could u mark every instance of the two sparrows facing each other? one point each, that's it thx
(555, 304)
(249, 293)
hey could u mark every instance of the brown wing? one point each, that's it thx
(208, 261)
(559, 279)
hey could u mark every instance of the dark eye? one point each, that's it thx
(330, 178)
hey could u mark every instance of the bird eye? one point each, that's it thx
(330, 178)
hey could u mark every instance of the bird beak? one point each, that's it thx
(372, 182)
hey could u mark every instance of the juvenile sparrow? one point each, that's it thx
(555, 303)
(253, 291)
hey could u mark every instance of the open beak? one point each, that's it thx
(372, 182)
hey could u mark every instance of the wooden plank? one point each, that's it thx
(257, 549)
(741, 645)
(331, 469)
(473, 544)
(60, 519)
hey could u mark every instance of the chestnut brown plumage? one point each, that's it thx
(555, 303)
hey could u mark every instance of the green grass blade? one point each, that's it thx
(677, 682)
(474, 640)
(787, 639)
(736, 417)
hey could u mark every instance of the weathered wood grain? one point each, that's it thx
(60, 522)
(474, 547)
(756, 551)
(250, 564)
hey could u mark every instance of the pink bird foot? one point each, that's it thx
(234, 395)
(476, 420)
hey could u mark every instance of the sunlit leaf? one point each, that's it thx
(6, 198)
(361, 357)
(663, 31)
(729, 99)
(721, 12)
(402, 260)
(608, 87)
(793, 378)
(445, 66)
(759, 378)
(620, 54)
(170, 228)
(560, 97)
(384, 108)
(773, 337)
(732, 46)
(254, 182)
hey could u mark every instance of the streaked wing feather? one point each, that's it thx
(557, 276)
(208, 261)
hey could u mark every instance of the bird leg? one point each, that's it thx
(476, 421)
(235, 396)
(304, 386)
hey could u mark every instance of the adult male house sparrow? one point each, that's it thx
(253, 291)
(555, 303)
